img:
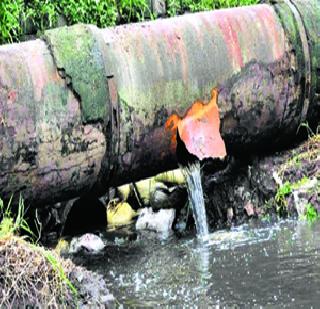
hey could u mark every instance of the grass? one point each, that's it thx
(30, 275)
(9, 225)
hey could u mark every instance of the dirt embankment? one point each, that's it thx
(285, 183)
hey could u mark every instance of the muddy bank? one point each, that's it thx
(275, 184)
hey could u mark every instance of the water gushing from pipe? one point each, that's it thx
(195, 192)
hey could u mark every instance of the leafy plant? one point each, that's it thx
(303, 181)
(173, 7)
(42, 13)
(21, 17)
(106, 13)
(311, 213)
(101, 13)
(205, 5)
(282, 192)
(10, 26)
(133, 10)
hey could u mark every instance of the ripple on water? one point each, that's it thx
(274, 265)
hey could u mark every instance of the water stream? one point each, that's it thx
(193, 177)
(253, 266)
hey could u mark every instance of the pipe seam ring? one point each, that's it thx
(307, 56)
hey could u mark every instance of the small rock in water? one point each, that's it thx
(88, 242)
(91, 289)
(156, 221)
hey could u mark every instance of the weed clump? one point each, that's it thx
(32, 276)
(29, 278)
(298, 180)
(29, 274)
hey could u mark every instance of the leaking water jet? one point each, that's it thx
(192, 174)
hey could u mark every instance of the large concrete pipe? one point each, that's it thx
(82, 108)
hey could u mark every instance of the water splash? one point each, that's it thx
(193, 177)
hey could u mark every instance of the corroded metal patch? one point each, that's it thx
(199, 129)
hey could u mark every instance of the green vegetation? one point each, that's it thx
(283, 192)
(10, 226)
(286, 190)
(299, 175)
(102, 13)
(10, 25)
(178, 6)
(32, 274)
(22, 17)
(133, 10)
(311, 213)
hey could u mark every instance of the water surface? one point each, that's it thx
(271, 266)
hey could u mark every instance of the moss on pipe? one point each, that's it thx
(79, 60)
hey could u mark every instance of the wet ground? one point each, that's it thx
(269, 265)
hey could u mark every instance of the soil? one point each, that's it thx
(248, 188)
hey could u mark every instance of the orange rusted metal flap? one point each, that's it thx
(199, 129)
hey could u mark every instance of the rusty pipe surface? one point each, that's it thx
(84, 108)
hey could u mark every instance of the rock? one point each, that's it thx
(155, 7)
(160, 221)
(92, 289)
(87, 242)
(159, 198)
(119, 213)
(184, 219)
(62, 20)
(249, 209)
